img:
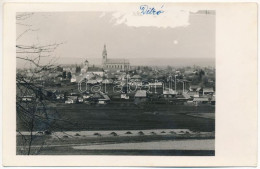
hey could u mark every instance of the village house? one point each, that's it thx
(208, 91)
(96, 71)
(92, 82)
(200, 100)
(107, 81)
(136, 78)
(104, 99)
(155, 84)
(141, 94)
(194, 88)
(124, 96)
(169, 93)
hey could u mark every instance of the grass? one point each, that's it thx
(127, 116)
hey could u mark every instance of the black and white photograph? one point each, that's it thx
(129, 84)
(116, 83)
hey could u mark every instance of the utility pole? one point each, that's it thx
(175, 82)
(183, 87)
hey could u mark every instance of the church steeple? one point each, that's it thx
(104, 50)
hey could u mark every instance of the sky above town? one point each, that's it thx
(179, 35)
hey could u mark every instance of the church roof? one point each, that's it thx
(117, 61)
(95, 69)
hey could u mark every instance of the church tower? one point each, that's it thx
(104, 55)
(86, 64)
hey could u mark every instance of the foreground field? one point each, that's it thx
(120, 142)
(126, 129)
(127, 116)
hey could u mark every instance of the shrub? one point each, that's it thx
(141, 133)
(97, 134)
(153, 133)
(113, 134)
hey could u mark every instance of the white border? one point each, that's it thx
(144, 1)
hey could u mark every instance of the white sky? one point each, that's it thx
(175, 34)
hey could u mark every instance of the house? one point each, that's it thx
(135, 83)
(111, 76)
(76, 79)
(193, 94)
(99, 79)
(88, 75)
(156, 84)
(200, 100)
(59, 96)
(107, 81)
(96, 71)
(208, 91)
(186, 95)
(140, 94)
(72, 99)
(69, 101)
(85, 96)
(136, 78)
(124, 96)
(92, 82)
(194, 88)
(80, 99)
(27, 98)
(169, 93)
(104, 99)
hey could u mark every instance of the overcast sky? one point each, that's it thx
(182, 35)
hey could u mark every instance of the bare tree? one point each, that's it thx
(36, 115)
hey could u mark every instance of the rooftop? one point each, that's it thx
(136, 77)
(169, 92)
(117, 61)
(201, 99)
(140, 93)
(95, 69)
(208, 90)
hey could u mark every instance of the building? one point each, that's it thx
(124, 96)
(136, 78)
(169, 93)
(200, 100)
(114, 64)
(208, 91)
(85, 67)
(156, 84)
(96, 71)
(194, 88)
(140, 94)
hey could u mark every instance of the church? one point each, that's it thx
(114, 64)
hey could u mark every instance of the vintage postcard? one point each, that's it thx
(133, 84)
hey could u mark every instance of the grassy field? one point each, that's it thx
(168, 144)
(128, 116)
(118, 116)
